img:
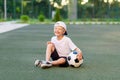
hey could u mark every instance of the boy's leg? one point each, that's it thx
(58, 61)
(62, 62)
(49, 50)
(52, 53)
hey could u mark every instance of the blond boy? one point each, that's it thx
(59, 47)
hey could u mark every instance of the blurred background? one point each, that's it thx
(60, 9)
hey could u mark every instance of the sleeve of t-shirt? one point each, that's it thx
(71, 44)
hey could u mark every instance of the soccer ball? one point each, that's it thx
(73, 61)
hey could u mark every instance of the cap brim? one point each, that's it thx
(65, 33)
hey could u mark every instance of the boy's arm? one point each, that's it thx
(79, 55)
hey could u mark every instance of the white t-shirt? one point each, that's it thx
(63, 46)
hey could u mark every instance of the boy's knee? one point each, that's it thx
(51, 46)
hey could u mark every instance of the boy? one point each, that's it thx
(59, 47)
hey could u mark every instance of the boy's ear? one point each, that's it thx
(64, 32)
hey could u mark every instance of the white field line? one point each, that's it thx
(9, 26)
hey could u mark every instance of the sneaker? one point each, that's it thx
(37, 63)
(46, 64)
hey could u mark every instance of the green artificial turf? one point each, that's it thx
(100, 45)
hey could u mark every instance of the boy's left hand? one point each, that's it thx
(79, 56)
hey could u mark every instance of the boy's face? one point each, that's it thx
(59, 31)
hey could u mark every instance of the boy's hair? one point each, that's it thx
(62, 24)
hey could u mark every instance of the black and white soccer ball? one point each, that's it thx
(73, 61)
